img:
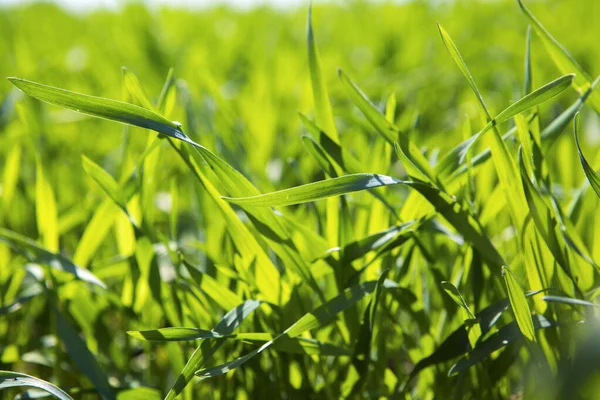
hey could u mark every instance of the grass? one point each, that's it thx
(397, 237)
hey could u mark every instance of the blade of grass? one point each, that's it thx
(519, 304)
(592, 176)
(10, 379)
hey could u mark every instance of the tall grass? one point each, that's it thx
(414, 233)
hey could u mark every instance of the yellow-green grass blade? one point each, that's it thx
(519, 304)
(113, 110)
(318, 190)
(46, 210)
(323, 111)
(458, 60)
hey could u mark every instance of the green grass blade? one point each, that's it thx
(10, 379)
(45, 210)
(83, 357)
(504, 336)
(102, 108)
(456, 157)
(519, 304)
(105, 181)
(563, 60)
(174, 334)
(207, 349)
(323, 112)
(37, 254)
(133, 86)
(318, 190)
(458, 60)
(320, 316)
(569, 300)
(296, 345)
(536, 97)
(592, 176)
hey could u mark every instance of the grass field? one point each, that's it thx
(365, 200)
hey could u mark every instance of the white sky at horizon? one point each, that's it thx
(87, 5)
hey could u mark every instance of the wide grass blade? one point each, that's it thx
(318, 190)
(10, 379)
(102, 108)
(519, 304)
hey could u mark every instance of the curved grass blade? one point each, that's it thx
(465, 223)
(569, 300)
(10, 379)
(318, 190)
(536, 97)
(105, 181)
(207, 349)
(457, 156)
(557, 126)
(378, 120)
(37, 254)
(592, 176)
(519, 305)
(102, 108)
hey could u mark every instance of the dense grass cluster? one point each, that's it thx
(422, 223)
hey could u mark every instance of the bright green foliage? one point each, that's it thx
(300, 233)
